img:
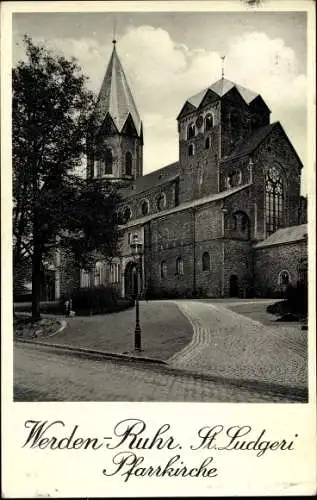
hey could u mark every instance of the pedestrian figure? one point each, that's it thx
(68, 307)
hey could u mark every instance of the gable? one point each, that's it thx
(107, 127)
(186, 109)
(258, 105)
(278, 134)
(209, 98)
(233, 96)
(129, 127)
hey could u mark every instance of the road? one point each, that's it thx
(42, 374)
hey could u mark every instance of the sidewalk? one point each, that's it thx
(165, 331)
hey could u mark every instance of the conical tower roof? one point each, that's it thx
(115, 96)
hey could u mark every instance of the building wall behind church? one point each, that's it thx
(270, 261)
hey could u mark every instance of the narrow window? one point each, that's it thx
(206, 261)
(126, 215)
(179, 266)
(207, 143)
(274, 200)
(145, 207)
(161, 201)
(209, 123)
(163, 269)
(108, 158)
(128, 163)
(190, 131)
(191, 150)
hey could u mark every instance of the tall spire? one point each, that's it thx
(115, 96)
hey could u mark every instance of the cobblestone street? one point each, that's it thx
(43, 375)
(230, 345)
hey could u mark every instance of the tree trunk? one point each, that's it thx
(36, 282)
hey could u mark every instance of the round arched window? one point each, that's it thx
(161, 201)
(206, 261)
(284, 278)
(145, 207)
(209, 123)
(126, 215)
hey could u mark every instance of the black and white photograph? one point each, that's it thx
(162, 194)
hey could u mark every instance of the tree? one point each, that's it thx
(50, 116)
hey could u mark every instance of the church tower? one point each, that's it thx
(115, 138)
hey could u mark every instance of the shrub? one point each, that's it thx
(295, 302)
(99, 300)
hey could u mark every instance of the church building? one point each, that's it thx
(225, 219)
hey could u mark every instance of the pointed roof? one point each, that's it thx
(115, 96)
(222, 87)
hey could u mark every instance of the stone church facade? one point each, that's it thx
(226, 219)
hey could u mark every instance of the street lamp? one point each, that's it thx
(136, 251)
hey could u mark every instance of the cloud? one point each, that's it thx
(163, 73)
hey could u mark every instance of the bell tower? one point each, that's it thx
(115, 136)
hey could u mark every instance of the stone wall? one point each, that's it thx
(199, 171)
(270, 261)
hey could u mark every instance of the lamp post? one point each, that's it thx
(136, 251)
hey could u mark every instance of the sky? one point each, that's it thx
(167, 57)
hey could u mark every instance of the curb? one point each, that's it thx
(293, 394)
(93, 353)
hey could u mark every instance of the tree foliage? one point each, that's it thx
(50, 116)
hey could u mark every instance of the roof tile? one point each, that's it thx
(285, 235)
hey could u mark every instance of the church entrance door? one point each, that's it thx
(234, 286)
(130, 280)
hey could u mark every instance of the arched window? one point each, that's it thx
(114, 273)
(99, 273)
(206, 261)
(207, 143)
(239, 177)
(209, 122)
(84, 278)
(108, 158)
(128, 163)
(190, 131)
(234, 179)
(98, 167)
(274, 199)
(145, 207)
(240, 222)
(229, 181)
(163, 269)
(161, 202)
(126, 215)
(179, 266)
(191, 150)
(283, 278)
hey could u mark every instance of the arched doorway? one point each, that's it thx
(130, 280)
(234, 286)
